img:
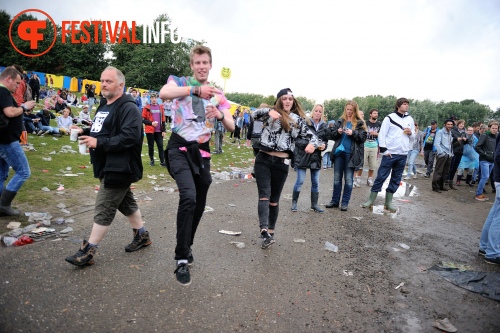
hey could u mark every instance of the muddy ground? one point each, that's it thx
(291, 287)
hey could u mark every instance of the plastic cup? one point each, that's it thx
(82, 147)
(74, 134)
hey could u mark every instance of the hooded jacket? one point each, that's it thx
(485, 146)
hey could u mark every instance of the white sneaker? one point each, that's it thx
(415, 176)
(369, 182)
(407, 177)
(355, 184)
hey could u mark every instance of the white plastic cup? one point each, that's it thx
(74, 134)
(82, 147)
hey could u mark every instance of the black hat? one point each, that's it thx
(286, 91)
(434, 122)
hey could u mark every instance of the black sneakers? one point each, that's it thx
(481, 252)
(268, 240)
(494, 261)
(190, 258)
(182, 274)
(332, 205)
(84, 256)
(139, 241)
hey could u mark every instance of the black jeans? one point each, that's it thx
(455, 162)
(270, 173)
(429, 156)
(158, 138)
(192, 198)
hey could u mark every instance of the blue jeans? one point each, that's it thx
(412, 156)
(486, 168)
(490, 237)
(12, 154)
(52, 130)
(394, 165)
(341, 170)
(327, 162)
(301, 175)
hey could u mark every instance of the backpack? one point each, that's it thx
(28, 94)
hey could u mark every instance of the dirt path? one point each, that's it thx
(291, 287)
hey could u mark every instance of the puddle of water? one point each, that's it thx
(405, 189)
(379, 210)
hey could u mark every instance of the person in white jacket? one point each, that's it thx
(395, 141)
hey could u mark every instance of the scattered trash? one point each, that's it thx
(45, 171)
(60, 188)
(13, 225)
(158, 188)
(460, 267)
(444, 325)
(208, 209)
(228, 232)
(347, 273)
(61, 205)
(396, 249)
(59, 220)
(23, 240)
(331, 247)
(52, 152)
(65, 211)
(70, 221)
(404, 200)
(239, 245)
(146, 198)
(40, 217)
(70, 175)
(8, 241)
(47, 159)
(42, 233)
(152, 177)
(45, 189)
(399, 285)
(232, 205)
(68, 168)
(404, 246)
(359, 218)
(298, 240)
(67, 230)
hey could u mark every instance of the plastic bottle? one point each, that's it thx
(9, 241)
(331, 247)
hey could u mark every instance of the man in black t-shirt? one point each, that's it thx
(11, 152)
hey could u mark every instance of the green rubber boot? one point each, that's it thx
(369, 203)
(388, 202)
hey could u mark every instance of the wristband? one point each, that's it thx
(190, 90)
(221, 119)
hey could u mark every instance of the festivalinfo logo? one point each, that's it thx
(41, 37)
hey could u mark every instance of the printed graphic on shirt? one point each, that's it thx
(98, 121)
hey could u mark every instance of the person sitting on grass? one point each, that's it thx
(44, 123)
(65, 121)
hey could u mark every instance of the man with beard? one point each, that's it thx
(115, 142)
(371, 146)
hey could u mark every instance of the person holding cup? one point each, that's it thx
(153, 117)
(304, 161)
(349, 133)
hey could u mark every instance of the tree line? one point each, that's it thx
(149, 65)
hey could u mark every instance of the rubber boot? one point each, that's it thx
(314, 202)
(388, 202)
(468, 180)
(371, 200)
(295, 198)
(5, 201)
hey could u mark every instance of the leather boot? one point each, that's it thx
(388, 202)
(371, 200)
(468, 180)
(5, 201)
(295, 198)
(314, 202)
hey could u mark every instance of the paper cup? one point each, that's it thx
(74, 134)
(82, 147)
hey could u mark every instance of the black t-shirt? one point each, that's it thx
(101, 127)
(373, 127)
(14, 130)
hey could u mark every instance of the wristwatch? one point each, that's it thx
(24, 108)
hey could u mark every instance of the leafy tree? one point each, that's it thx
(148, 66)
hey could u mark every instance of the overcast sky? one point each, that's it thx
(423, 49)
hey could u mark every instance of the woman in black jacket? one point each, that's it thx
(349, 133)
(312, 161)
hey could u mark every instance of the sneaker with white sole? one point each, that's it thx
(415, 176)
(369, 182)
(182, 274)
